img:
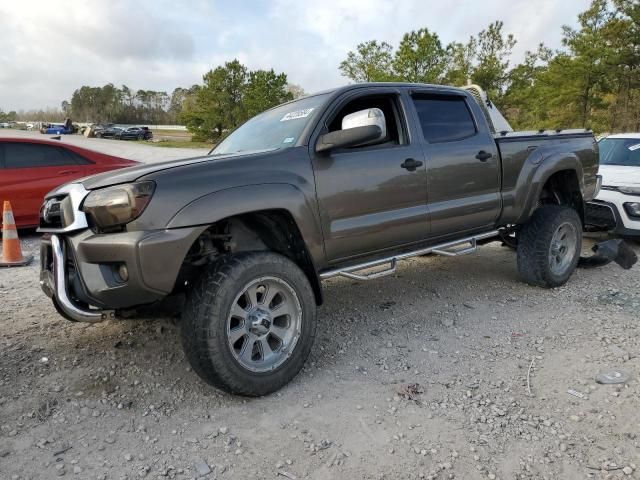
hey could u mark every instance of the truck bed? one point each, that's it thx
(536, 147)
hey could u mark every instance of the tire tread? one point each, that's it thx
(201, 312)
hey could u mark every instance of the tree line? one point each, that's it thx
(593, 81)
(124, 105)
(230, 94)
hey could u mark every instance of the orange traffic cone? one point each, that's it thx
(11, 251)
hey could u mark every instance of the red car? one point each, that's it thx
(30, 168)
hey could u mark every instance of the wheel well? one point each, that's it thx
(272, 230)
(563, 188)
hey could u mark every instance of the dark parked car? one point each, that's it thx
(135, 133)
(332, 184)
(109, 132)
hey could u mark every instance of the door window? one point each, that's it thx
(389, 106)
(444, 118)
(30, 155)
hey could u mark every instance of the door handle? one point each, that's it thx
(483, 156)
(67, 172)
(411, 164)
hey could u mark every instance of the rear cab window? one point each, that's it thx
(444, 118)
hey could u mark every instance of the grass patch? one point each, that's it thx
(171, 133)
(182, 144)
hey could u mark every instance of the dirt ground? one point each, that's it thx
(451, 368)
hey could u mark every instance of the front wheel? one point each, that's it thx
(249, 323)
(549, 246)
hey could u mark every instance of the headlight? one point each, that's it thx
(629, 190)
(112, 207)
(632, 208)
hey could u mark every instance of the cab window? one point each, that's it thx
(444, 118)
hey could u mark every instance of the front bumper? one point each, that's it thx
(607, 212)
(79, 271)
(53, 281)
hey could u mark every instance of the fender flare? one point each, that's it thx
(230, 202)
(533, 179)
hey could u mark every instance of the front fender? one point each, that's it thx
(222, 204)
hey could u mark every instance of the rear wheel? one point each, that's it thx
(249, 323)
(549, 246)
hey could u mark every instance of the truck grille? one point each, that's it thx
(51, 213)
(61, 210)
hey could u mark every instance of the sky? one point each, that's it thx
(47, 50)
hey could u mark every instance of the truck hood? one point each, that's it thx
(617, 175)
(126, 175)
(131, 174)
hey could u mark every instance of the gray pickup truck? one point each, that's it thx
(341, 183)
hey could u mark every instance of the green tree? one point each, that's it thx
(491, 71)
(218, 104)
(296, 91)
(420, 58)
(11, 116)
(265, 89)
(460, 58)
(623, 34)
(521, 102)
(587, 70)
(371, 62)
(230, 95)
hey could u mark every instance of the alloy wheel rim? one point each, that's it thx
(264, 324)
(563, 248)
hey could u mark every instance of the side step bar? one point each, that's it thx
(447, 249)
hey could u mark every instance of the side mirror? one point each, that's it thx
(348, 138)
(358, 128)
(362, 118)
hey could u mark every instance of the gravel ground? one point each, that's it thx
(133, 150)
(451, 368)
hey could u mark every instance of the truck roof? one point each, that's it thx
(353, 86)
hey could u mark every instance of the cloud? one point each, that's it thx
(50, 51)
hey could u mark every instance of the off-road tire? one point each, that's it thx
(205, 317)
(534, 244)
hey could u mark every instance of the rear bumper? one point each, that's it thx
(80, 271)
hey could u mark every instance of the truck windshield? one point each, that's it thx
(620, 151)
(277, 128)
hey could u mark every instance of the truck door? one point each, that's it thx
(463, 164)
(371, 197)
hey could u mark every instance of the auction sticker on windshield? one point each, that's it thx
(634, 147)
(297, 114)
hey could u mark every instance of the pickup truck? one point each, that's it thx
(346, 183)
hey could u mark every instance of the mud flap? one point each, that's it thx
(610, 251)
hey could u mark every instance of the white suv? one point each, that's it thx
(617, 206)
